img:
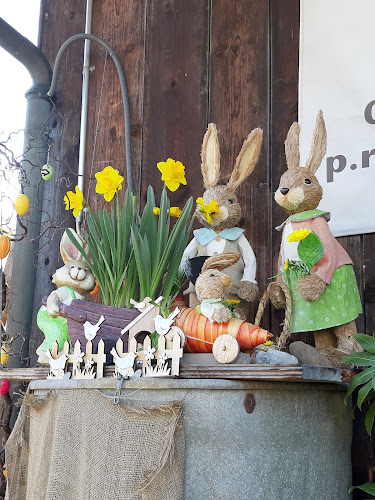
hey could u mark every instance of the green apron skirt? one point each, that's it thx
(339, 303)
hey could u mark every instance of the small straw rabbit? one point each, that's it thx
(212, 287)
(327, 300)
(73, 281)
(220, 233)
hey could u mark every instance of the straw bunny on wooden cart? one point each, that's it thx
(73, 280)
(220, 212)
(326, 299)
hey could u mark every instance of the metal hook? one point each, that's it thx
(117, 395)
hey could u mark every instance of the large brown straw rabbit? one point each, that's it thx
(327, 300)
(220, 233)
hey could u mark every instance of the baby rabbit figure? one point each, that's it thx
(219, 212)
(73, 281)
(325, 301)
(212, 287)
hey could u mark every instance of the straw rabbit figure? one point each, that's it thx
(73, 281)
(220, 233)
(212, 287)
(327, 300)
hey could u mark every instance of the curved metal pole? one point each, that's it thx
(124, 92)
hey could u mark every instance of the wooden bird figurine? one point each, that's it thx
(163, 325)
(57, 365)
(90, 329)
(124, 365)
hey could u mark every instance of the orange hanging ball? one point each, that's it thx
(4, 246)
(22, 204)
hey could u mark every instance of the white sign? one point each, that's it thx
(337, 75)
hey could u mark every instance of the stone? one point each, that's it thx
(274, 357)
(308, 355)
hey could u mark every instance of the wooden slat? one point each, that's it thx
(60, 20)
(239, 76)
(122, 25)
(25, 374)
(284, 19)
(369, 282)
(175, 93)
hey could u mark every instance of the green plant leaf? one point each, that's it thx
(310, 250)
(369, 419)
(360, 379)
(367, 488)
(363, 392)
(365, 341)
(360, 359)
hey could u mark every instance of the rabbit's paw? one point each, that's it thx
(277, 297)
(248, 291)
(221, 315)
(53, 304)
(310, 287)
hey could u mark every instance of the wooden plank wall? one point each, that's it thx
(187, 64)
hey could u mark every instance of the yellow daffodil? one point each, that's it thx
(109, 182)
(286, 265)
(174, 211)
(232, 301)
(74, 201)
(173, 173)
(209, 209)
(298, 235)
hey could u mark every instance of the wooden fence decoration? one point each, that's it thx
(78, 358)
(154, 361)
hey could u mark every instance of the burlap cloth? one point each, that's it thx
(77, 445)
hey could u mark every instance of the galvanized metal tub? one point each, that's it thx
(251, 439)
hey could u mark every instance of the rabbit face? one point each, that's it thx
(212, 284)
(76, 275)
(229, 209)
(299, 190)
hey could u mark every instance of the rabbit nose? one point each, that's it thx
(225, 280)
(284, 191)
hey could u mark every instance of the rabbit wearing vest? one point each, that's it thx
(220, 233)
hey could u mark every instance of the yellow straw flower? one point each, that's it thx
(286, 265)
(173, 173)
(74, 201)
(209, 209)
(298, 235)
(109, 182)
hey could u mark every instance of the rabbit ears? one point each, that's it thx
(67, 249)
(221, 261)
(245, 163)
(318, 146)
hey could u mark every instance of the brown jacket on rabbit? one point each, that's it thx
(212, 287)
(327, 300)
(221, 234)
(73, 281)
